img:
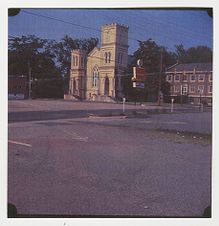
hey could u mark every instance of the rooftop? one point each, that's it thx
(190, 67)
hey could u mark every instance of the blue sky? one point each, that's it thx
(165, 27)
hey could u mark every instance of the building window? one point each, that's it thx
(76, 64)
(184, 89)
(177, 77)
(184, 78)
(95, 77)
(73, 60)
(169, 78)
(109, 57)
(192, 89)
(192, 78)
(106, 55)
(200, 89)
(176, 89)
(201, 78)
(210, 89)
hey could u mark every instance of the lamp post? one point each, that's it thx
(181, 95)
(29, 81)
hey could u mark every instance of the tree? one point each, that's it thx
(31, 52)
(63, 49)
(198, 54)
(150, 54)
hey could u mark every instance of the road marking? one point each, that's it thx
(171, 122)
(20, 143)
(75, 136)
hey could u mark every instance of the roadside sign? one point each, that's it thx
(139, 74)
(139, 85)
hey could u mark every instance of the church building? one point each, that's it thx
(98, 75)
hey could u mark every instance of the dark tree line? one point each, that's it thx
(47, 60)
(50, 60)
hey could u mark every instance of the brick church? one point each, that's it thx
(97, 75)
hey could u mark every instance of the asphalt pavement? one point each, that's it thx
(98, 164)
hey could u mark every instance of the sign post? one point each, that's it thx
(123, 105)
(139, 78)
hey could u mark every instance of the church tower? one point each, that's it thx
(98, 75)
(114, 52)
(77, 82)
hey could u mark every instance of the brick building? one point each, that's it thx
(191, 83)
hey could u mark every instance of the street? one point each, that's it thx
(86, 159)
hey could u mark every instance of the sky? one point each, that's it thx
(166, 27)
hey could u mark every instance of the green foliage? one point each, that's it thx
(47, 60)
(31, 52)
(62, 51)
(150, 53)
(48, 88)
(199, 54)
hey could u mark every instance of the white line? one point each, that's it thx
(171, 122)
(20, 143)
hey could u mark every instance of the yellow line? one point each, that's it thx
(20, 143)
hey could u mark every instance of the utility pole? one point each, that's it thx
(29, 81)
(160, 77)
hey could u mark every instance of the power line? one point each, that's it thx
(181, 34)
(173, 37)
(60, 20)
(67, 22)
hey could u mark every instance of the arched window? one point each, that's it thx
(109, 57)
(73, 60)
(76, 61)
(95, 77)
(106, 57)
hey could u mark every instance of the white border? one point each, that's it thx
(3, 113)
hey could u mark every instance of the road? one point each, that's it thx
(155, 165)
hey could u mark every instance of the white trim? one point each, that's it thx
(190, 79)
(176, 89)
(209, 96)
(209, 88)
(203, 78)
(185, 89)
(175, 78)
(170, 80)
(186, 80)
(210, 75)
(190, 91)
